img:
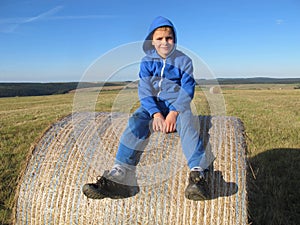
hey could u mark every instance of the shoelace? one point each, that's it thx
(199, 178)
(102, 181)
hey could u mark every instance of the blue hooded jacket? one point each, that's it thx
(167, 80)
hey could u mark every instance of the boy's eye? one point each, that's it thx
(167, 39)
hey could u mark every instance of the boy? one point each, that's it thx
(166, 88)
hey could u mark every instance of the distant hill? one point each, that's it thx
(36, 89)
(254, 80)
(259, 80)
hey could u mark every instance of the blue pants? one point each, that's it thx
(138, 130)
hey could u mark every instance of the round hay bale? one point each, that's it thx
(215, 90)
(80, 147)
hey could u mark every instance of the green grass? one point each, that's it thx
(23, 121)
(272, 121)
(272, 117)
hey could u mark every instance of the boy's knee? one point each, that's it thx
(187, 120)
(139, 124)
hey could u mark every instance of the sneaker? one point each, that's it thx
(116, 184)
(197, 188)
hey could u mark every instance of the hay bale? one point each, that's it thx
(81, 146)
(215, 90)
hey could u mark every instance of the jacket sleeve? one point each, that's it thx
(146, 92)
(187, 89)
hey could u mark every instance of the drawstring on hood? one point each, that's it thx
(157, 22)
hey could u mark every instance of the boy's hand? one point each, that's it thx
(158, 122)
(171, 122)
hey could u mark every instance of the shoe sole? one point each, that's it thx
(195, 197)
(90, 192)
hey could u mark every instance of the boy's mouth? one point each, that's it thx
(166, 48)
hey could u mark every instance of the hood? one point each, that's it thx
(157, 22)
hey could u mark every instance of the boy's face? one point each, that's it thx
(163, 41)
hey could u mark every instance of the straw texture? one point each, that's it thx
(80, 147)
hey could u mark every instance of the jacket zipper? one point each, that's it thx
(161, 78)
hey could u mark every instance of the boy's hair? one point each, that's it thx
(164, 28)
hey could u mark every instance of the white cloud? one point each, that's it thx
(81, 17)
(44, 15)
(9, 25)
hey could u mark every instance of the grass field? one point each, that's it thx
(270, 114)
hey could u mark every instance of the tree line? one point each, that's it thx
(36, 89)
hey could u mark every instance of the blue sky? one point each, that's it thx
(58, 40)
